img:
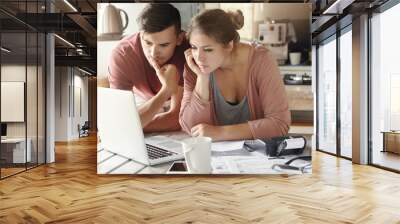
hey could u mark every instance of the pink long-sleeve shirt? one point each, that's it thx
(268, 104)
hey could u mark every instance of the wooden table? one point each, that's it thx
(391, 141)
(13, 150)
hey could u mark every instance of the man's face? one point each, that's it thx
(160, 46)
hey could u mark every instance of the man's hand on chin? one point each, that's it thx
(168, 76)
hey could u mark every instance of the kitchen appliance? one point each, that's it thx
(278, 146)
(287, 145)
(111, 25)
(272, 33)
(295, 79)
(276, 36)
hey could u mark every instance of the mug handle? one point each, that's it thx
(126, 19)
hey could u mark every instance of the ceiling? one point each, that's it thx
(73, 21)
(328, 16)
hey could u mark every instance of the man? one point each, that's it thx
(151, 64)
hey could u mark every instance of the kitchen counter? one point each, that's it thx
(287, 67)
(300, 97)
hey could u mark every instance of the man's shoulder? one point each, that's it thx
(128, 46)
(126, 57)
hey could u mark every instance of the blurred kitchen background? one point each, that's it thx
(284, 28)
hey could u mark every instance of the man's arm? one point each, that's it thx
(149, 109)
(168, 76)
(167, 121)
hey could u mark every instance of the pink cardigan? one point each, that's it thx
(268, 104)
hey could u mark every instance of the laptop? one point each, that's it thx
(120, 130)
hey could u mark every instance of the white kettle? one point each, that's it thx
(111, 21)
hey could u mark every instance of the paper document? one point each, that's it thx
(253, 165)
(226, 146)
(240, 165)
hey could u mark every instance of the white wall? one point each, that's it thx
(299, 14)
(12, 101)
(104, 48)
(80, 109)
(61, 103)
(70, 84)
(12, 73)
(33, 126)
(290, 11)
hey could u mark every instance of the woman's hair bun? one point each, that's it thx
(237, 19)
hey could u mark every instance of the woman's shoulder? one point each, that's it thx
(261, 57)
(260, 52)
(263, 64)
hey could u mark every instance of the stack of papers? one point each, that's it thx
(243, 165)
(226, 146)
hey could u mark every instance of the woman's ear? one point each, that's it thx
(229, 46)
(181, 37)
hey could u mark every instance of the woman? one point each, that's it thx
(232, 90)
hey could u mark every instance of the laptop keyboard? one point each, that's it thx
(156, 152)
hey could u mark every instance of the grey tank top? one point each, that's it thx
(228, 114)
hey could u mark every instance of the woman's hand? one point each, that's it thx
(192, 64)
(202, 82)
(214, 132)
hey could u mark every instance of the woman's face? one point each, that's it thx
(208, 54)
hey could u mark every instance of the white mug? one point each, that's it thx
(197, 153)
(295, 58)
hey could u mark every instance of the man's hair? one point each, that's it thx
(157, 17)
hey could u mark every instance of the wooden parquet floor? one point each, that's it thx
(70, 191)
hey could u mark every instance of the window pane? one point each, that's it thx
(327, 97)
(31, 100)
(13, 86)
(385, 88)
(41, 98)
(346, 94)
